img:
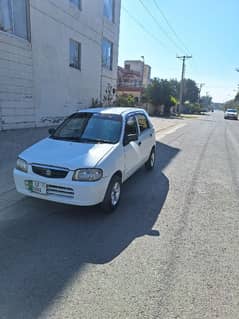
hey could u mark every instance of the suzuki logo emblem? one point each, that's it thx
(48, 172)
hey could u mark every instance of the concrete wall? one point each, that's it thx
(147, 75)
(61, 90)
(16, 83)
(111, 31)
(48, 89)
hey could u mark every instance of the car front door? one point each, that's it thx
(132, 153)
(146, 136)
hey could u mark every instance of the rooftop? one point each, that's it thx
(111, 110)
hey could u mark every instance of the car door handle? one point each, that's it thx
(151, 134)
(139, 143)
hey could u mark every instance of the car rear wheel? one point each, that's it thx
(112, 195)
(151, 161)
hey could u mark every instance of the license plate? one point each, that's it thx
(36, 187)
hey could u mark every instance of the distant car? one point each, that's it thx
(231, 114)
(86, 159)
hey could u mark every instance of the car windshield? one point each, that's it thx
(232, 110)
(90, 128)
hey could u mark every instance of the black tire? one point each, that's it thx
(111, 202)
(151, 161)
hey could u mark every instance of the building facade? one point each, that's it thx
(133, 78)
(55, 57)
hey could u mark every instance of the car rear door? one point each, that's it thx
(146, 136)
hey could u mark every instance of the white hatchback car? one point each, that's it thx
(86, 159)
(231, 114)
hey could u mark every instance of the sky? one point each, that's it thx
(206, 29)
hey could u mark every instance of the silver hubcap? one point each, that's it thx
(115, 193)
(152, 159)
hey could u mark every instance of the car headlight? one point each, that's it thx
(22, 165)
(87, 174)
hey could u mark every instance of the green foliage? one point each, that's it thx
(161, 92)
(166, 92)
(125, 101)
(197, 108)
(206, 101)
(173, 100)
(237, 97)
(192, 108)
(232, 104)
(191, 91)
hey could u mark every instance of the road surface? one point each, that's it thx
(170, 251)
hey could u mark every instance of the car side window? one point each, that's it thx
(131, 126)
(143, 122)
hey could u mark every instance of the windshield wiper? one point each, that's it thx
(95, 141)
(81, 140)
(66, 138)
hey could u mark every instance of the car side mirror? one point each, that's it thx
(130, 138)
(51, 131)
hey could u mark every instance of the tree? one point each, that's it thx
(237, 97)
(161, 92)
(175, 85)
(125, 100)
(206, 101)
(191, 91)
(231, 104)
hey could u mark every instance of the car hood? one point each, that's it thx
(66, 154)
(231, 113)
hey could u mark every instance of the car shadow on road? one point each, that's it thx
(42, 250)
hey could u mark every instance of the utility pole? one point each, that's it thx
(183, 58)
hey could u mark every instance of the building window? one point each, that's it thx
(109, 6)
(76, 3)
(127, 67)
(14, 17)
(75, 54)
(107, 54)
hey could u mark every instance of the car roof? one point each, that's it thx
(112, 110)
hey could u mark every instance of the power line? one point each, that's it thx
(159, 25)
(170, 26)
(143, 27)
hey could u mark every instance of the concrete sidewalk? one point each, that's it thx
(163, 125)
(12, 142)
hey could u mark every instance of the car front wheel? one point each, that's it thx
(112, 195)
(151, 161)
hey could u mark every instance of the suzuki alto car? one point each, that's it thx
(86, 159)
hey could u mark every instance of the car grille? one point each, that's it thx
(60, 190)
(50, 172)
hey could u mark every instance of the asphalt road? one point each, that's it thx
(170, 250)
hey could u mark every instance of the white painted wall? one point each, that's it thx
(16, 83)
(48, 88)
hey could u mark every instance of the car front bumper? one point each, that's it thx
(231, 117)
(63, 190)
